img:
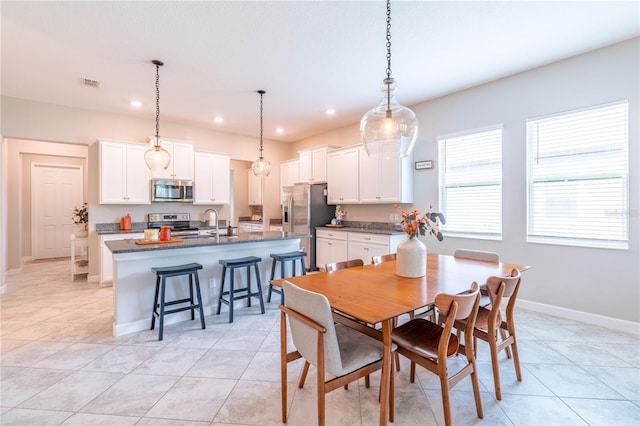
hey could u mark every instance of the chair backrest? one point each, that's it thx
(500, 288)
(487, 256)
(463, 306)
(383, 258)
(316, 307)
(330, 267)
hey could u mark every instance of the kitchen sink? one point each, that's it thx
(193, 237)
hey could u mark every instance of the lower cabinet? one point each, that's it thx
(106, 258)
(250, 227)
(331, 247)
(338, 246)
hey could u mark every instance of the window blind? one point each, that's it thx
(577, 190)
(471, 183)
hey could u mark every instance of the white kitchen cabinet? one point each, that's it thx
(254, 189)
(289, 172)
(106, 257)
(124, 176)
(342, 172)
(331, 247)
(211, 178)
(365, 246)
(182, 160)
(313, 165)
(385, 179)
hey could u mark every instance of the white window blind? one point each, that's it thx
(577, 177)
(471, 183)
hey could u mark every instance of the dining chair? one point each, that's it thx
(489, 324)
(330, 267)
(340, 354)
(383, 258)
(431, 345)
(486, 256)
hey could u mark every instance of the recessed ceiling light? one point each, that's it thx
(218, 120)
(330, 111)
(279, 130)
(136, 104)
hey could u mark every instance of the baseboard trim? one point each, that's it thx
(586, 317)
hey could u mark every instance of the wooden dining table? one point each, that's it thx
(375, 294)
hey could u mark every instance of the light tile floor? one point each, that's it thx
(60, 364)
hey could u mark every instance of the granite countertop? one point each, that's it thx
(362, 230)
(129, 246)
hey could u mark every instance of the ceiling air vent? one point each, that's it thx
(91, 83)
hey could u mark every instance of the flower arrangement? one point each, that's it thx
(340, 213)
(414, 224)
(81, 215)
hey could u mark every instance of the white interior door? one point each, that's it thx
(55, 190)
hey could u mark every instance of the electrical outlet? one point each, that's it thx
(396, 217)
(212, 282)
(390, 216)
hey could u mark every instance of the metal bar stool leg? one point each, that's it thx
(199, 296)
(260, 298)
(224, 273)
(161, 328)
(155, 304)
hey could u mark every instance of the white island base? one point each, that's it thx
(134, 282)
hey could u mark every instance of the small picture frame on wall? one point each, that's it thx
(422, 165)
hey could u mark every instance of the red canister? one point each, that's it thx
(165, 233)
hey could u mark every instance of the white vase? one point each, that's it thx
(82, 231)
(411, 258)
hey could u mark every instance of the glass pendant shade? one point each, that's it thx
(157, 158)
(389, 129)
(261, 167)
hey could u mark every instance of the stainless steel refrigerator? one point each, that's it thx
(304, 206)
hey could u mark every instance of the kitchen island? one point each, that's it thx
(134, 283)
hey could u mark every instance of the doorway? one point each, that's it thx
(55, 190)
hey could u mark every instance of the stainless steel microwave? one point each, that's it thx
(175, 190)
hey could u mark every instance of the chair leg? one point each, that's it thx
(303, 374)
(259, 285)
(199, 296)
(161, 322)
(273, 273)
(476, 390)
(249, 286)
(412, 374)
(503, 335)
(224, 273)
(155, 304)
(193, 310)
(494, 364)
(516, 358)
(446, 406)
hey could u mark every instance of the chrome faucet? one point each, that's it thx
(204, 219)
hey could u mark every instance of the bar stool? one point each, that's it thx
(162, 273)
(283, 258)
(232, 264)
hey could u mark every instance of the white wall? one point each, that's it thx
(597, 281)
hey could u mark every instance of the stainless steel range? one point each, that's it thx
(180, 223)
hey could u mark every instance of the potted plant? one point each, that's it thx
(80, 217)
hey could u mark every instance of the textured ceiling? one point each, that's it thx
(307, 55)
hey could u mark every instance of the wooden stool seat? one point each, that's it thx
(231, 265)
(159, 311)
(283, 258)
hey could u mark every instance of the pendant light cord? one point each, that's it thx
(158, 64)
(388, 81)
(262, 92)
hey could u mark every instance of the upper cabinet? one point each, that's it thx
(182, 160)
(289, 172)
(254, 189)
(342, 169)
(124, 176)
(313, 165)
(385, 179)
(212, 178)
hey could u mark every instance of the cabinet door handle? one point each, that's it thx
(367, 238)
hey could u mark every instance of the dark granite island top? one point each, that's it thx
(134, 282)
(129, 245)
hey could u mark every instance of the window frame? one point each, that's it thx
(443, 186)
(575, 175)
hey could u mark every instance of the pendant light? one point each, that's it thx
(389, 128)
(156, 157)
(261, 167)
